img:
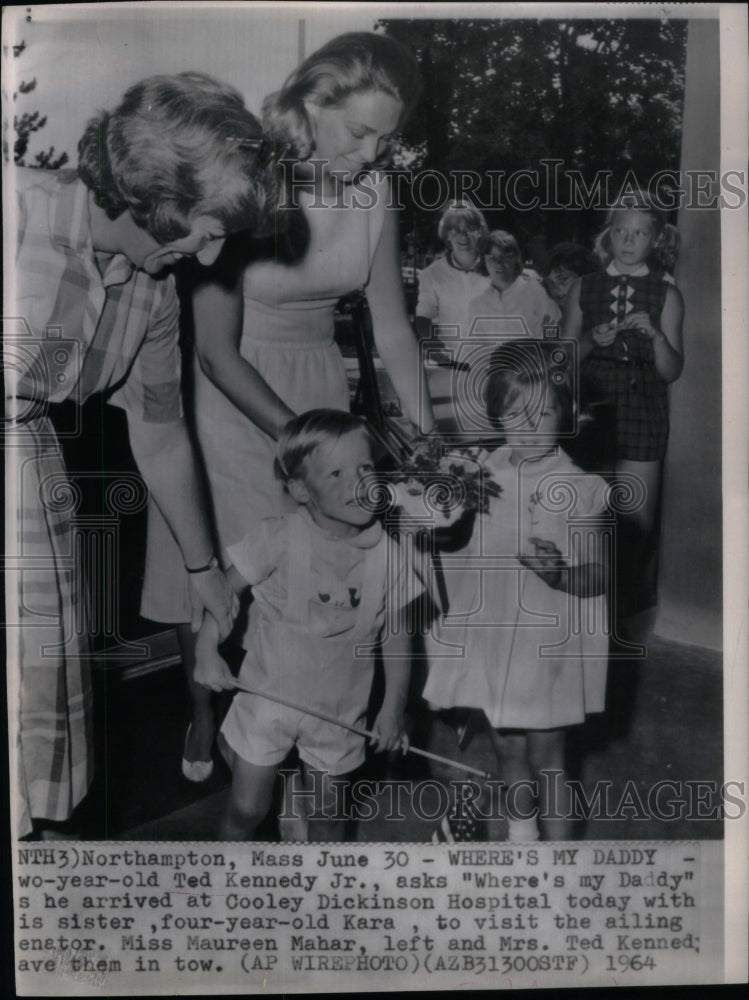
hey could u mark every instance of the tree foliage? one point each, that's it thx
(26, 124)
(602, 94)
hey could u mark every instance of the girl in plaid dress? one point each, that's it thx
(628, 320)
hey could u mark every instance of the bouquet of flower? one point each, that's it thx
(442, 485)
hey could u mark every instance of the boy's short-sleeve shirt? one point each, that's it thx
(264, 558)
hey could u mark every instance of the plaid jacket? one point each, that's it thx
(82, 326)
(75, 325)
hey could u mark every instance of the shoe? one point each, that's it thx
(196, 770)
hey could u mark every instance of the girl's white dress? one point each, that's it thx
(531, 657)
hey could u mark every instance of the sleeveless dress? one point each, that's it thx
(531, 657)
(287, 335)
(624, 373)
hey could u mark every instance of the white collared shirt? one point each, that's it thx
(445, 293)
(639, 271)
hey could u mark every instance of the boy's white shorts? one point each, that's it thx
(262, 732)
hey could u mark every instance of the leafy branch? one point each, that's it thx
(27, 124)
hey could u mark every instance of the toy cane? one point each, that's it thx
(366, 732)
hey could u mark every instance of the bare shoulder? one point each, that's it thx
(673, 296)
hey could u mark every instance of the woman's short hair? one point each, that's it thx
(665, 252)
(572, 257)
(502, 240)
(177, 147)
(352, 63)
(543, 366)
(461, 213)
(306, 432)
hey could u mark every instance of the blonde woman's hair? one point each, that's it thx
(353, 63)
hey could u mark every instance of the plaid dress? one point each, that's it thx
(74, 326)
(624, 373)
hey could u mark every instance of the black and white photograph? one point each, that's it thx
(375, 399)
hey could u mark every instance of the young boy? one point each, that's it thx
(327, 581)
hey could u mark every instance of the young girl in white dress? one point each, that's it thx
(524, 637)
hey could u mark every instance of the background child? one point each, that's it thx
(450, 283)
(565, 262)
(628, 320)
(515, 303)
(525, 636)
(326, 581)
(446, 289)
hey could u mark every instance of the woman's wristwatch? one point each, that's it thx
(213, 564)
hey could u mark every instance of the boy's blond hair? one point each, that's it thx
(303, 434)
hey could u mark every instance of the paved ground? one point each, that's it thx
(663, 723)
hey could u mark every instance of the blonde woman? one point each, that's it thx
(264, 343)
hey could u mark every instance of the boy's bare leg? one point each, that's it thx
(250, 799)
(327, 813)
(292, 823)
